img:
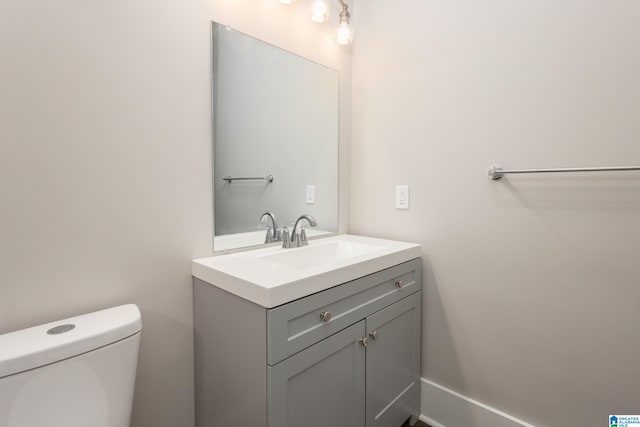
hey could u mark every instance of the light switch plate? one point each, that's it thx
(402, 197)
(311, 194)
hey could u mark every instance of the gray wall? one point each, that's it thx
(531, 284)
(105, 165)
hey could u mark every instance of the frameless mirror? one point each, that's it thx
(275, 139)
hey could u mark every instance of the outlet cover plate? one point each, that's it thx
(402, 197)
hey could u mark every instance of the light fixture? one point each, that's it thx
(319, 10)
(344, 35)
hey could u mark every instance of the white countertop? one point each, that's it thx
(273, 276)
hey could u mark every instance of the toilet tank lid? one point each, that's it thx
(44, 344)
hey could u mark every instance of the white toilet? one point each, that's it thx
(77, 372)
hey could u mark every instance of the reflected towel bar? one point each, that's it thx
(496, 172)
(268, 178)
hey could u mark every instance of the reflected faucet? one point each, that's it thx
(272, 232)
(300, 239)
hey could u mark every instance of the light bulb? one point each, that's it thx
(319, 10)
(344, 33)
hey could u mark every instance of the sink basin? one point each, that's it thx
(273, 276)
(319, 254)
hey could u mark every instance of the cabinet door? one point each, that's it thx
(321, 386)
(393, 362)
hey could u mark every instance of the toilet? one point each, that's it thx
(76, 372)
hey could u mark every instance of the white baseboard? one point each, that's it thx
(441, 407)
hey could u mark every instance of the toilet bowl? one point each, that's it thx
(76, 372)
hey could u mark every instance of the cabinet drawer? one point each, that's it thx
(299, 324)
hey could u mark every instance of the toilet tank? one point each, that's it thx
(76, 372)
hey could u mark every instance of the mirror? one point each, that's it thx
(275, 139)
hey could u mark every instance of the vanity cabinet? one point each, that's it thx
(348, 356)
(393, 362)
(323, 385)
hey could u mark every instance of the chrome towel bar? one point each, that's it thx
(496, 172)
(268, 178)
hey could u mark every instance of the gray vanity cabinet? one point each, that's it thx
(321, 386)
(374, 364)
(348, 356)
(393, 361)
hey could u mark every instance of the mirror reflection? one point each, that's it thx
(275, 141)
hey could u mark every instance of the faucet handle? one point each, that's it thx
(269, 236)
(286, 240)
(303, 236)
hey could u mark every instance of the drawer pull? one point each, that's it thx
(374, 334)
(325, 316)
(364, 342)
(399, 283)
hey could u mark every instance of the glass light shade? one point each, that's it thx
(287, 1)
(319, 10)
(344, 35)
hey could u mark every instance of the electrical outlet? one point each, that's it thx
(402, 197)
(311, 194)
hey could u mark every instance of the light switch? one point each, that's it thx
(402, 197)
(311, 194)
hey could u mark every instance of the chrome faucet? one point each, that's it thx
(300, 239)
(272, 232)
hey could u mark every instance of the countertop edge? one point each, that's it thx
(287, 292)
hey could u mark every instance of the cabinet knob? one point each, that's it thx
(374, 334)
(364, 342)
(325, 316)
(399, 283)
